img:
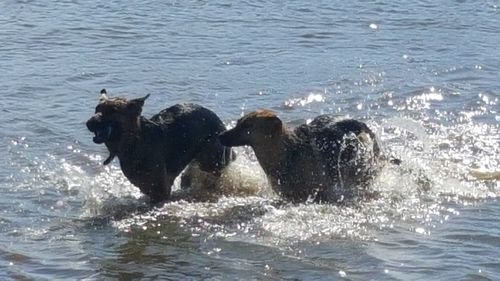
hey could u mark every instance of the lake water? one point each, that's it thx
(423, 74)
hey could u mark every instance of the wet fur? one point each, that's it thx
(153, 152)
(326, 161)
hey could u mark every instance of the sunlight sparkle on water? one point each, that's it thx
(312, 97)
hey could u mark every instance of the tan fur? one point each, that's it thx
(320, 161)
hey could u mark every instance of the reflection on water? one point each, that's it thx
(416, 200)
(424, 76)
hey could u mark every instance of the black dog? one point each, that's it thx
(325, 160)
(153, 152)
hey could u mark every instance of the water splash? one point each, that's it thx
(423, 192)
(442, 167)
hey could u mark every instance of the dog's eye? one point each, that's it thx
(245, 125)
(105, 110)
(110, 110)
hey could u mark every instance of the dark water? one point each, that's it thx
(423, 74)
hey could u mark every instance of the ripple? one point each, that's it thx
(430, 95)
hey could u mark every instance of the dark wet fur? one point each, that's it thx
(348, 164)
(152, 156)
(325, 161)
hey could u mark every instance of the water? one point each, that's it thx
(423, 74)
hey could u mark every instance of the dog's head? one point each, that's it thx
(253, 128)
(113, 116)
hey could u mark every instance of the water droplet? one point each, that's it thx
(420, 230)
(486, 99)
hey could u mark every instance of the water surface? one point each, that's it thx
(422, 74)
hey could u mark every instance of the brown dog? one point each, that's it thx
(153, 152)
(326, 160)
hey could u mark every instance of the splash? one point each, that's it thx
(443, 167)
(437, 174)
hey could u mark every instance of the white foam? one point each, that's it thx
(442, 165)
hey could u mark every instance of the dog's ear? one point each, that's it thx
(103, 96)
(270, 117)
(135, 105)
(274, 121)
(139, 101)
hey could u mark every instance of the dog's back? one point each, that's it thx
(189, 132)
(349, 150)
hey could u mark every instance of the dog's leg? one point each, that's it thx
(214, 157)
(187, 176)
(158, 187)
(195, 178)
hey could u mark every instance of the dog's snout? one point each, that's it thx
(233, 137)
(93, 122)
(224, 139)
